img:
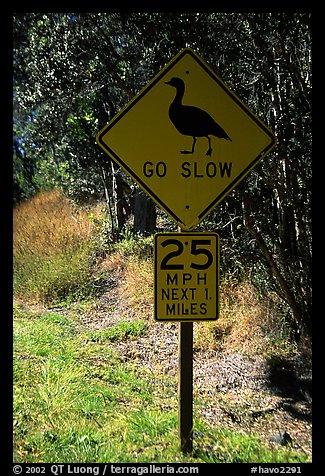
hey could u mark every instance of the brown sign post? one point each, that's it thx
(185, 386)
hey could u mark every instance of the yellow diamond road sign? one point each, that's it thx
(186, 139)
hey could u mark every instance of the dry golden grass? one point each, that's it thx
(51, 248)
(246, 323)
(251, 318)
(47, 223)
(115, 263)
(137, 287)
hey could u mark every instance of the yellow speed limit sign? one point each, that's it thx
(186, 276)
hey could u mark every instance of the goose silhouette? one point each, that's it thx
(192, 121)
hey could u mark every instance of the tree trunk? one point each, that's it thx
(144, 214)
(107, 197)
(121, 196)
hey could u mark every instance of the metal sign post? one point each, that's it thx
(185, 386)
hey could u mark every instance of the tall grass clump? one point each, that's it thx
(247, 323)
(138, 287)
(51, 249)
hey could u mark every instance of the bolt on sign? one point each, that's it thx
(186, 276)
(186, 139)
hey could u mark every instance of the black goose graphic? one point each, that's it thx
(192, 121)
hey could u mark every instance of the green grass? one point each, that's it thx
(62, 276)
(77, 400)
(119, 332)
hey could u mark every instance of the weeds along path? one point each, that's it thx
(241, 390)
